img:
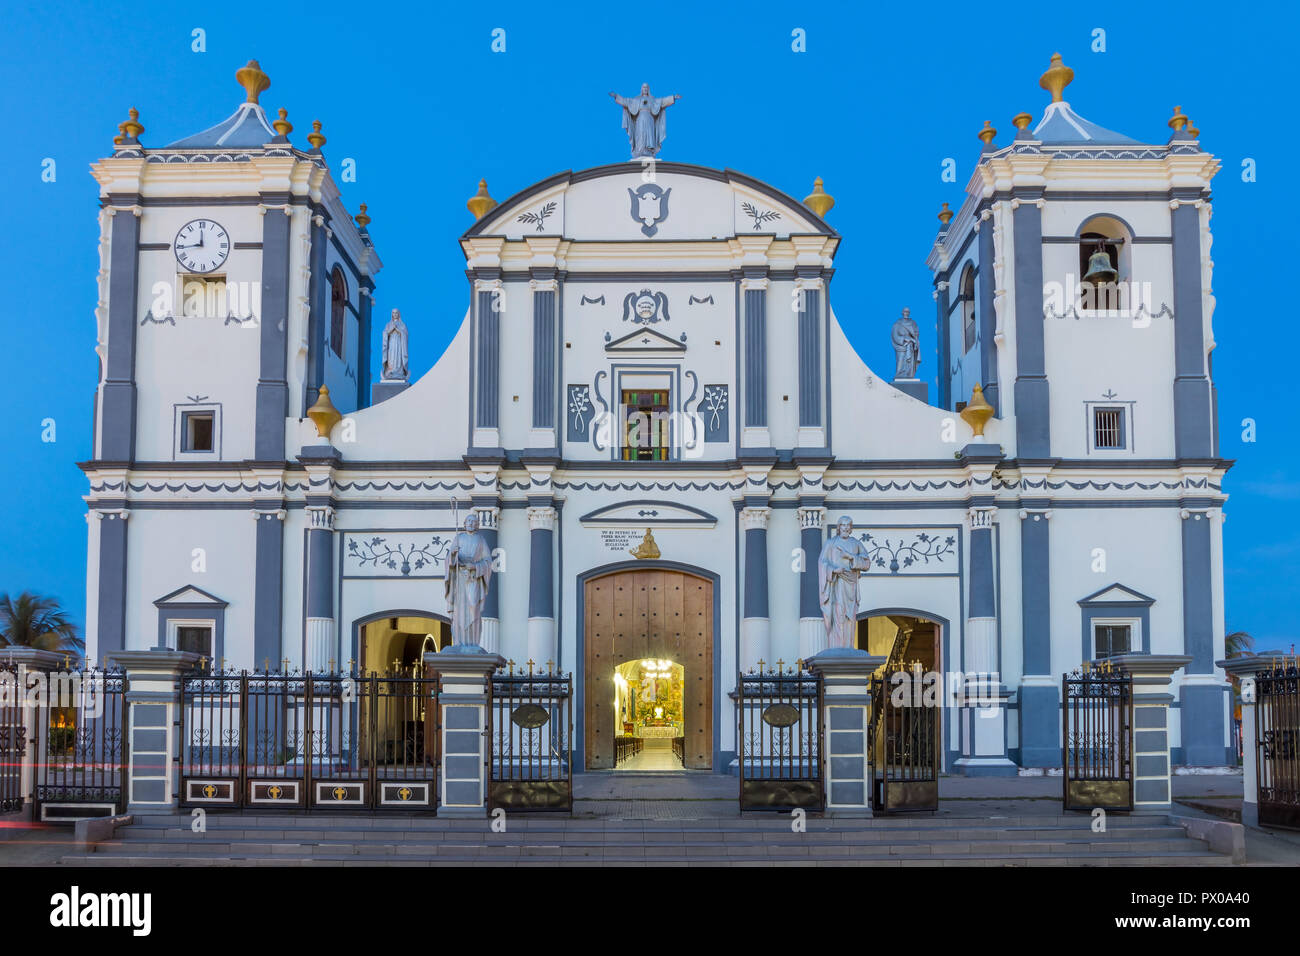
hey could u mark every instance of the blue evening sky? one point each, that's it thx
(414, 94)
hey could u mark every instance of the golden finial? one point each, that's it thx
(987, 133)
(761, 664)
(1057, 78)
(120, 138)
(203, 662)
(977, 411)
(1179, 120)
(819, 200)
(315, 137)
(266, 665)
(480, 204)
(251, 78)
(550, 666)
(647, 549)
(131, 129)
(282, 125)
(531, 665)
(362, 219)
(1021, 121)
(323, 413)
(945, 214)
(1192, 131)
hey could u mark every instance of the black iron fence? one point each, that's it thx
(1097, 746)
(82, 741)
(294, 740)
(904, 741)
(13, 736)
(531, 740)
(1277, 744)
(780, 734)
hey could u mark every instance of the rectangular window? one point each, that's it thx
(1107, 428)
(193, 636)
(647, 431)
(1112, 639)
(199, 431)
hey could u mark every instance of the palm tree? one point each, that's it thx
(1238, 644)
(30, 620)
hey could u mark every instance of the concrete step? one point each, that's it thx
(1180, 859)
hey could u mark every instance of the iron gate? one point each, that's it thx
(13, 736)
(306, 741)
(780, 733)
(531, 740)
(1097, 745)
(905, 741)
(1277, 744)
(83, 742)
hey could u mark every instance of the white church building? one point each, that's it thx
(655, 413)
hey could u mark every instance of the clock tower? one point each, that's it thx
(233, 286)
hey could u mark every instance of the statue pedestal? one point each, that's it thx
(381, 391)
(918, 389)
(846, 716)
(463, 671)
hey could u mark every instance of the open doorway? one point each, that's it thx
(648, 704)
(397, 644)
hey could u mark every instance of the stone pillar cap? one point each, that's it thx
(844, 660)
(35, 657)
(1247, 665)
(156, 658)
(463, 657)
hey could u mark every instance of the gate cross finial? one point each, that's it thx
(761, 664)
(285, 662)
(203, 662)
(530, 667)
(266, 665)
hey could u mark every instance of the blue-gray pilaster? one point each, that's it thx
(982, 592)
(941, 331)
(988, 316)
(544, 349)
(488, 364)
(1200, 705)
(1040, 742)
(365, 322)
(112, 583)
(272, 383)
(1033, 421)
(1193, 422)
(541, 573)
(318, 291)
(320, 573)
(810, 539)
(810, 361)
(117, 428)
(756, 358)
(492, 604)
(756, 572)
(268, 586)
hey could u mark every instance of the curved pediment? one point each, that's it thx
(657, 514)
(621, 202)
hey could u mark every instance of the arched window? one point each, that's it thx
(338, 308)
(967, 299)
(1109, 235)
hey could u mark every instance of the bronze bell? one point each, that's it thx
(1099, 268)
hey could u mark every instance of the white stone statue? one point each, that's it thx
(842, 561)
(469, 574)
(643, 119)
(394, 367)
(906, 338)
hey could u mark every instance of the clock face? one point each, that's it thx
(201, 245)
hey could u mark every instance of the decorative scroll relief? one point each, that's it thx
(396, 554)
(915, 551)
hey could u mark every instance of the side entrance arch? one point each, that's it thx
(647, 610)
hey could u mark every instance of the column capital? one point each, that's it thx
(981, 518)
(488, 517)
(541, 519)
(543, 285)
(754, 282)
(1036, 514)
(321, 517)
(755, 519)
(812, 516)
(260, 514)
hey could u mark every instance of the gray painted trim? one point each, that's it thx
(755, 357)
(541, 564)
(810, 366)
(195, 611)
(318, 300)
(272, 383)
(1193, 434)
(268, 588)
(111, 612)
(1035, 595)
(982, 596)
(544, 359)
(117, 393)
(364, 343)
(943, 345)
(1032, 395)
(986, 320)
(488, 363)
(580, 718)
(1091, 611)
(1198, 593)
(756, 604)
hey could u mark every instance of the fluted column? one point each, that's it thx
(812, 628)
(321, 647)
(541, 584)
(491, 633)
(755, 625)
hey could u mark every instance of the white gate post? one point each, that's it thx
(846, 722)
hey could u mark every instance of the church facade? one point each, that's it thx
(657, 419)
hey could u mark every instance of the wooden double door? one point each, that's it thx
(634, 614)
